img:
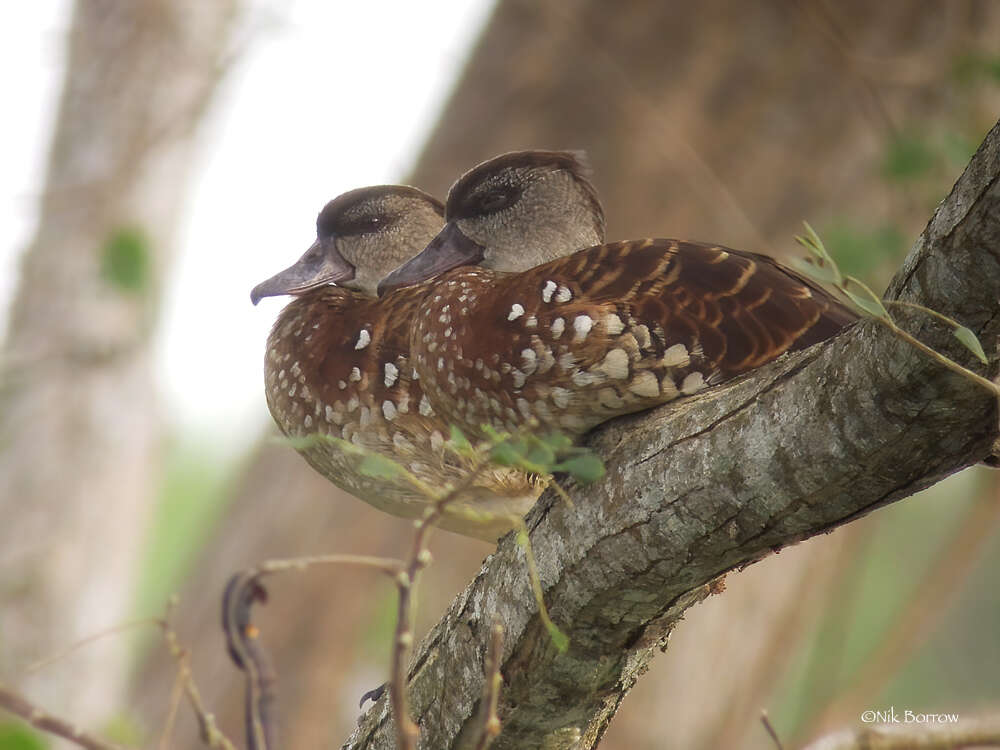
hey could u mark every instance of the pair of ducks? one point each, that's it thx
(495, 315)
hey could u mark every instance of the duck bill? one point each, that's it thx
(317, 267)
(450, 249)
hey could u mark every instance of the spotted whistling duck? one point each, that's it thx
(337, 363)
(607, 330)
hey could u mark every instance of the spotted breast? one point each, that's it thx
(608, 330)
(337, 364)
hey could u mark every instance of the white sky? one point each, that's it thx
(330, 96)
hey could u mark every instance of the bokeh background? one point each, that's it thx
(164, 156)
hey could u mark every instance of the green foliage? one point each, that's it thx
(544, 455)
(20, 737)
(976, 67)
(820, 265)
(907, 158)
(559, 639)
(377, 466)
(859, 250)
(124, 730)
(971, 342)
(460, 444)
(191, 498)
(126, 260)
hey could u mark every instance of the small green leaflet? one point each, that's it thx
(969, 340)
(379, 467)
(585, 468)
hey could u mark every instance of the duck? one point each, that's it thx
(337, 365)
(603, 330)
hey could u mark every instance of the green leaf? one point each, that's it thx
(505, 454)
(379, 467)
(557, 441)
(867, 303)
(459, 443)
(866, 299)
(821, 271)
(125, 260)
(493, 435)
(539, 454)
(585, 468)
(971, 342)
(559, 639)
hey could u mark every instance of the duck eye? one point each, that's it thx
(495, 200)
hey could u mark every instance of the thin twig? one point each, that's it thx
(18, 705)
(489, 720)
(766, 721)
(210, 733)
(176, 693)
(983, 732)
(114, 630)
(940, 358)
(406, 731)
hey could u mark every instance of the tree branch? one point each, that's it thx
(700, 487)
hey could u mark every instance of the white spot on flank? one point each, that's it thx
(645, 385)
(329, 413)
(564, 294)
(584, 379)
(364, 339)
(614, 324)
(693, 383)
(518, 377)
(341, 384)
(524, 407)
(437, 440)
(582, 325)
(352, 403)
(531, 322)
(530, 360)
(676, 356)
(516, 311)
(558, 326)
(307, 422)
(548, 290)
(355, 375)
(560, 397)
(425, 407)
(566, 360)
(615, 364)
(401, 443)
(440, 363)
(391, 373)
(388, 410)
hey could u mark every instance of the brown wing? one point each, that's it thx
(739, 310)
(621, 327)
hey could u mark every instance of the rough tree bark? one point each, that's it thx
(79, 426)
(699, 488)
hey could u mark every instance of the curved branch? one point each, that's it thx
(701, 487)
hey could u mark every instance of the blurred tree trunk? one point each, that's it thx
(80, 428)
(720, 120)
